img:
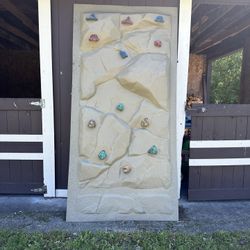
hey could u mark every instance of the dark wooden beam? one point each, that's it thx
(10, 7)
(210, 18)
(227, 46)
(200, 16)
(15, 31)
(232, 24)
(245, 74)
(14, 40)
(223, 2)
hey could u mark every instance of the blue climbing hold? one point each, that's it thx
(92, 17)
(120, 106)
(153, 150)
(159, 19)
(123, 54)
(102, 155)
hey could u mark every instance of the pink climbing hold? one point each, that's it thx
(157, 43)
(94, 38)
(127, 21)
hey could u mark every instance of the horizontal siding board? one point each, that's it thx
(21, 147)
(220, 110)
(18, 104)
(218, 153)
(218, 194)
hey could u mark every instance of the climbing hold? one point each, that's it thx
(157, 43)
(145, 123)
(92, 17)
(94, 38)
(159, 19)
(91, 124)
(153, 150)
(102, 155)
(123, 54)
(120, 106)
(127, 21)
(126, 169)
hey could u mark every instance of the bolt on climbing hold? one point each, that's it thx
(127, 21)
(145, 123)
(120, 106)
(102, 155)
(123, 54)
(159, 19)
(94, 38)
(157, 43)
(91, 124)
(153, 150)
(126, 169)
(92, 17)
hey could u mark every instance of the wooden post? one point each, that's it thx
(245, 74)
(185, 13)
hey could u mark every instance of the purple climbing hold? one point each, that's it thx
(94, 38)
(127, 21)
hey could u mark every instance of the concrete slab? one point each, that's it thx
(35, 213)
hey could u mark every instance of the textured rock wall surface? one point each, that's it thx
(123, 168)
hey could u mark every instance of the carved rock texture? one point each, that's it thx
(111, 135)
(144, 42)
(158, 119)
(87, 170)
(122, 79)
(145, 22)
(99, 67)
(106, 28)
(147, 76)
(109, 94)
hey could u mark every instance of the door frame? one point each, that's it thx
(45, 47)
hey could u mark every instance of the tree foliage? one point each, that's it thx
(225, 79)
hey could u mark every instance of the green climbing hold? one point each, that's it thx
(120, 106)
(153, 150)
(102, 155)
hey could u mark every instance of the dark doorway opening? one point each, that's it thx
(19, 49)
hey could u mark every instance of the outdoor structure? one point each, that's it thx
(35, 107)
(220, 135)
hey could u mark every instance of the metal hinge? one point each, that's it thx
(41, 190)
(40, 103)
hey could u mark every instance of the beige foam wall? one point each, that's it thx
(145, 83)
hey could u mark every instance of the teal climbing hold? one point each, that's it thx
(153, 150)
(120, 106)
(102, 155)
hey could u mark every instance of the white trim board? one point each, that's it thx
(21, 138)
(21, 156)
(185, 13)
(220, 162)
(45, 46)
(220, 144)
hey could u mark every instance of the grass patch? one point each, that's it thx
(140, 240)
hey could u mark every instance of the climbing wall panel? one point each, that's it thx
(122, 164)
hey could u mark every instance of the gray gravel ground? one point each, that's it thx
(44, 215)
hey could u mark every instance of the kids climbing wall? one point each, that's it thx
(122, 153)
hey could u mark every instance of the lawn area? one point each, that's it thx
(140, 240)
